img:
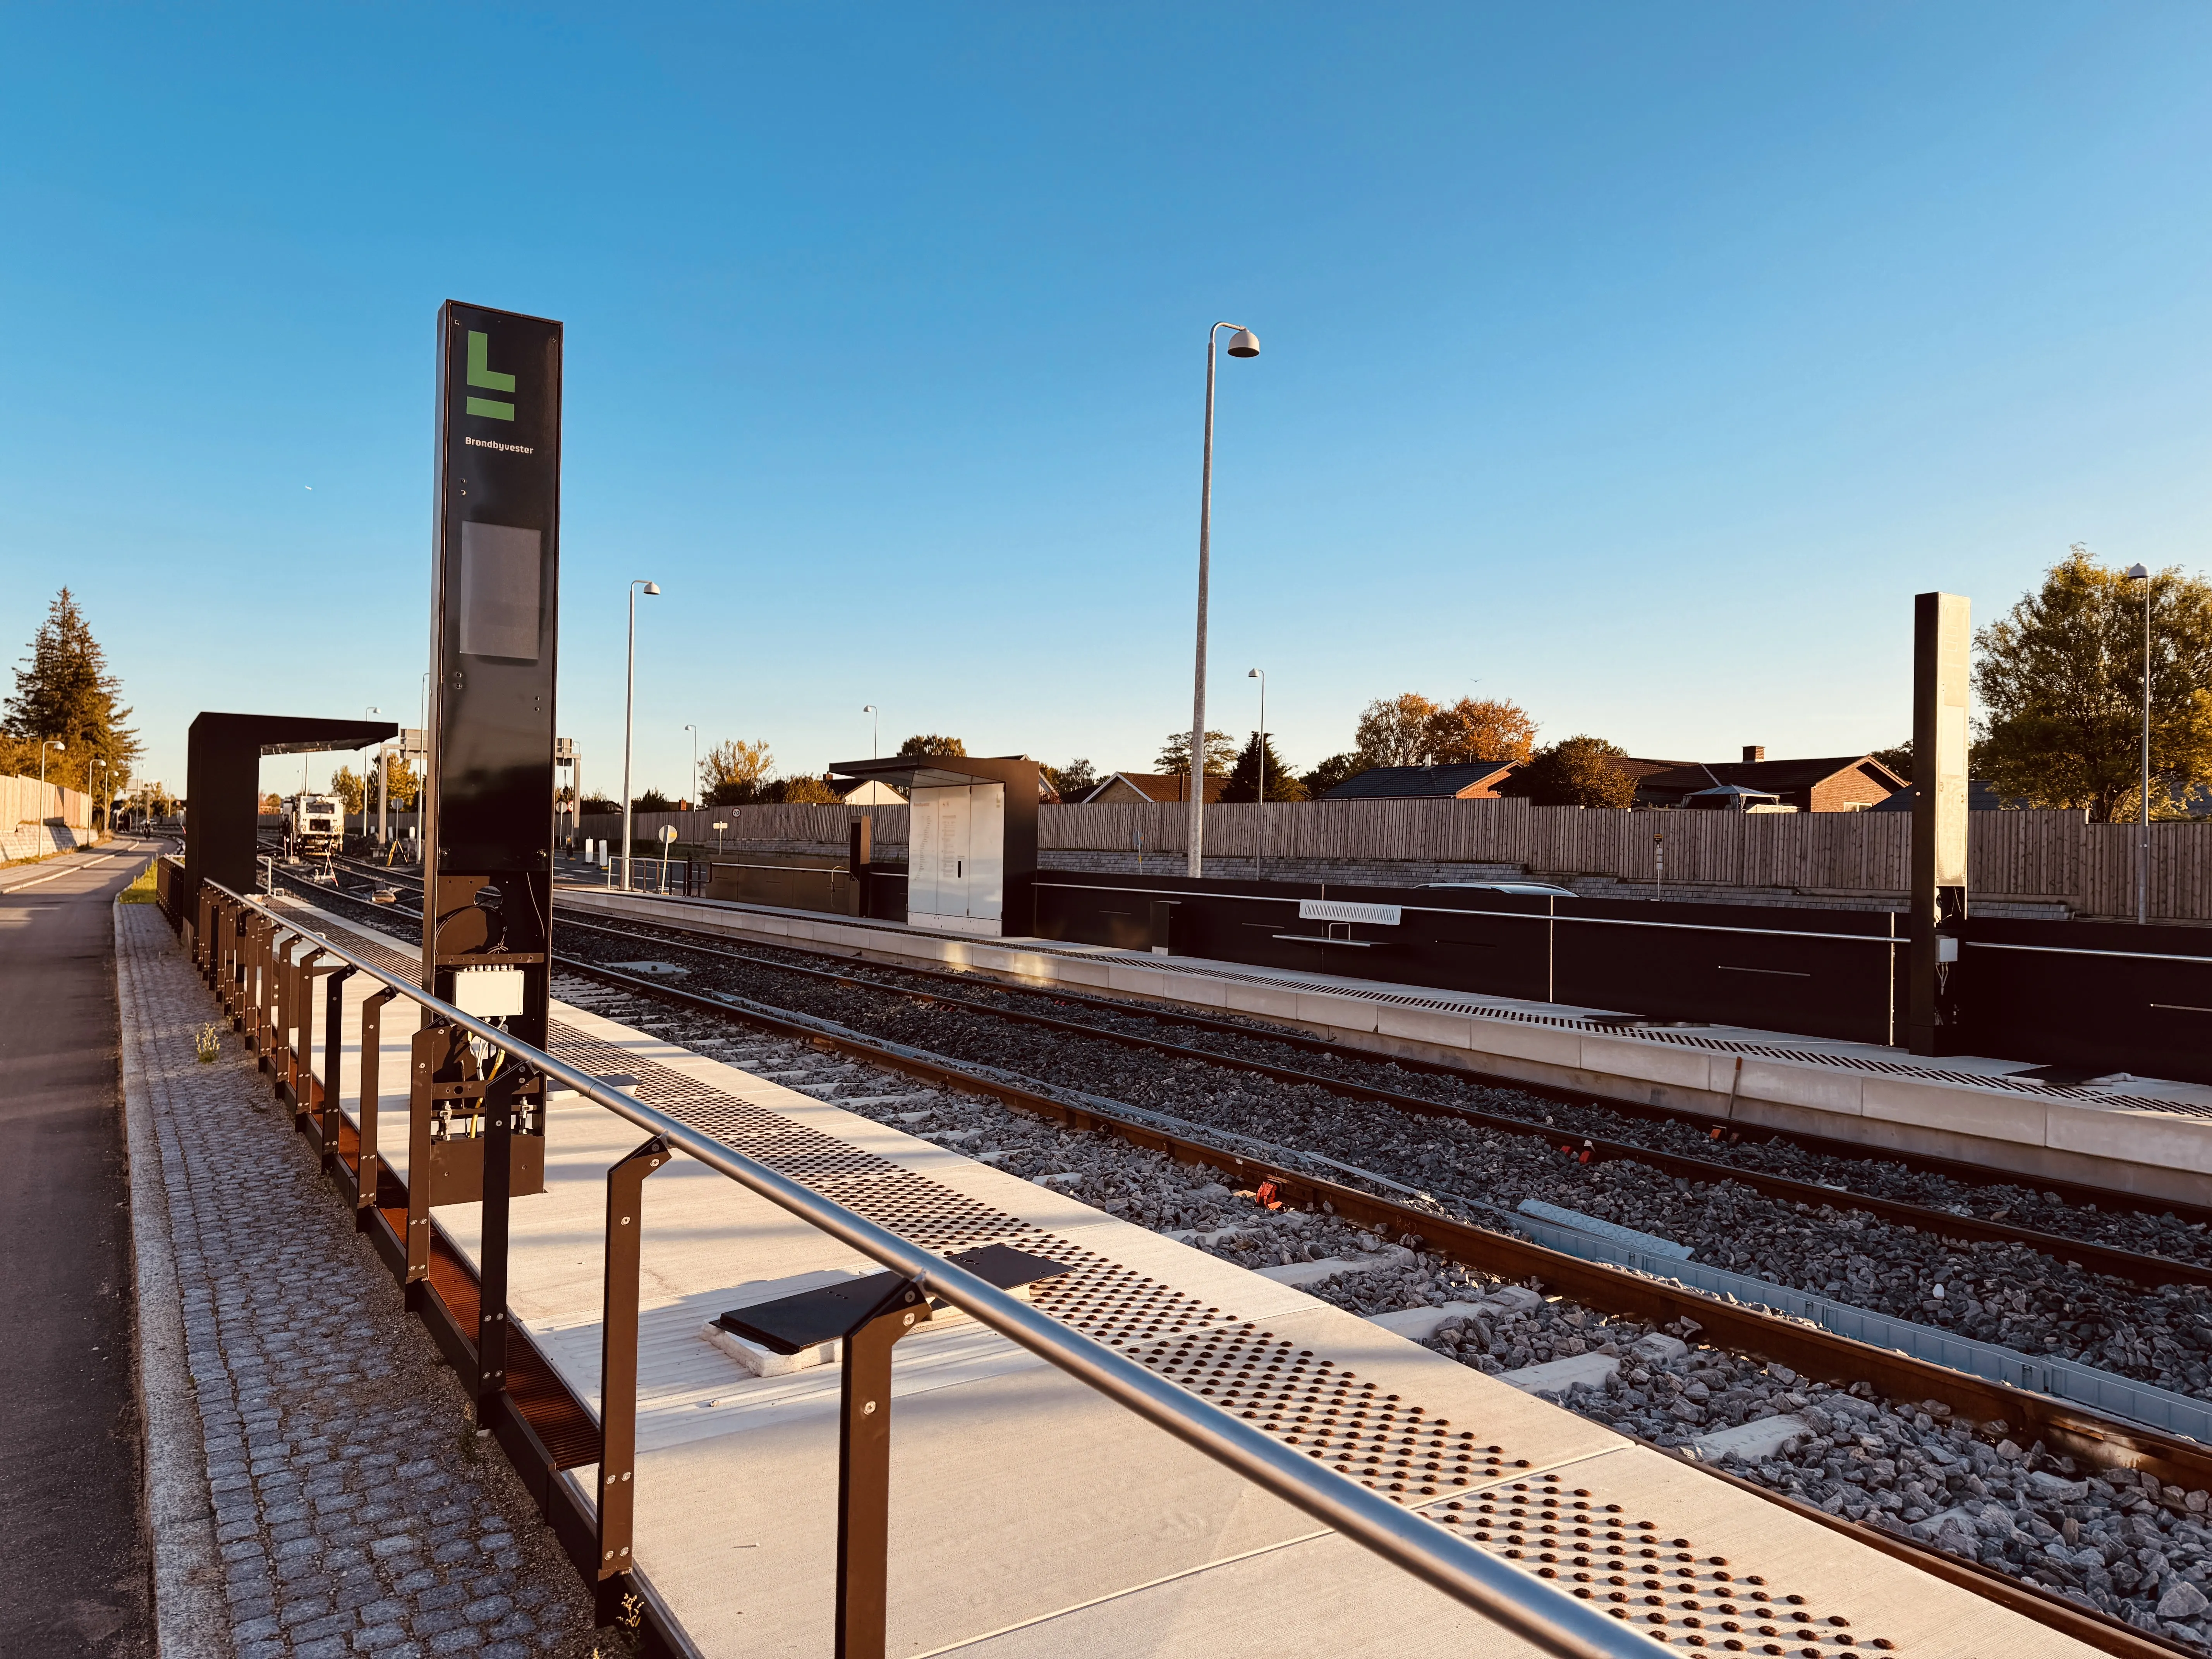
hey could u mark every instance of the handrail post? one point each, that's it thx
(333, 1051)
(365, 1163)
(429, 1048)
(300, 1053)
(499, 1109)
(864, 1474)
(618, 1504)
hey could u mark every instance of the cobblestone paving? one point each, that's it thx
(357, 1511)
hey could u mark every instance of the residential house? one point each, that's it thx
(1839, 783)
(1154, 787)
(1477, 781)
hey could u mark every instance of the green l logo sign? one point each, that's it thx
(482, 374)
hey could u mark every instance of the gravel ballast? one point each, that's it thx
(2107, 1539)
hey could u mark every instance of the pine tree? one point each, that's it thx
(1244, 777)
(65, 691)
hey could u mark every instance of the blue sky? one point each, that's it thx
(1637, 363)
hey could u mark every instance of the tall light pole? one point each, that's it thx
(49, 742)
(1242, 344)
(2138, 573)
(88, 788)
(629, 710)
(694, 730)
(1261, 675)
(876, 731)
(373, 709)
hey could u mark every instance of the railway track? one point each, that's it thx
(2075, 1215)
(1747, 1364)
(1217, 1042)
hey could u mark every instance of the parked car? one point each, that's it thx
(1525, 889)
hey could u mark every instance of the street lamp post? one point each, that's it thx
(373, 709)
(1242, 344)
(2138, 573)
(1261, 675)
(49, 742)
(629, 711)
(876, 731)
(694, 730)
(91, 789)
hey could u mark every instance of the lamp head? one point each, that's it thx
(2138, 573)
(1254, 674)
(652, 587)
(1243, 343)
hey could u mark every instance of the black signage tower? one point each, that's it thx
(487, 828)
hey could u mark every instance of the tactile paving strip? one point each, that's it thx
(1388, 1443)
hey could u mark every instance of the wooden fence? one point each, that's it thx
(26, 800)
(2047, 856)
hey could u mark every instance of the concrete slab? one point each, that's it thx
(1557, 1376)
(1420, 1324)
(1303, 1273)
(1762, 1437)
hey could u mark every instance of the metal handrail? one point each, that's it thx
(1553, 1620)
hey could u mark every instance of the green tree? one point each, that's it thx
(1395, 731)
(405, 784)
(64, 690)
(1471, 730)
(1072, 781)
(925, 748)
(801, 789)
(735, 772)
(1244, 777)
(1898, 759)
(1221, 754)
(1336, 770)
(350, 789)
(2060, 681)
(653, 801)
(1575, 773)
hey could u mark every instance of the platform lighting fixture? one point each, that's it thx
(2139, 573)
(629, 711)
(1243, 343)
(876, 737)
(694, 730)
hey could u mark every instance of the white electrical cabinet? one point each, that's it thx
(955, 858)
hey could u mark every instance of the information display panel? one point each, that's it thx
(495, 629)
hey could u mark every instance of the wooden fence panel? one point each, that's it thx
(26, 800)
(2037, 856)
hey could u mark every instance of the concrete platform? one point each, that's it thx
(1030, 1516)
(2149, 1138)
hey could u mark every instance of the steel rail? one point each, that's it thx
(2137, 1268)
(1552, 1621)
(2082, 1193)
(2149, 1271)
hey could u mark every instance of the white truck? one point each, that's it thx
(314, 825)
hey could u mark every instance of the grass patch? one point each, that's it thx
(140, 891)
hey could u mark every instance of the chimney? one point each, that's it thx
(1754, 751)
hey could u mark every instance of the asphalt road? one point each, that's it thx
(71, 1510)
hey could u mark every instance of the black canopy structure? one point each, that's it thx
(222, 785)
